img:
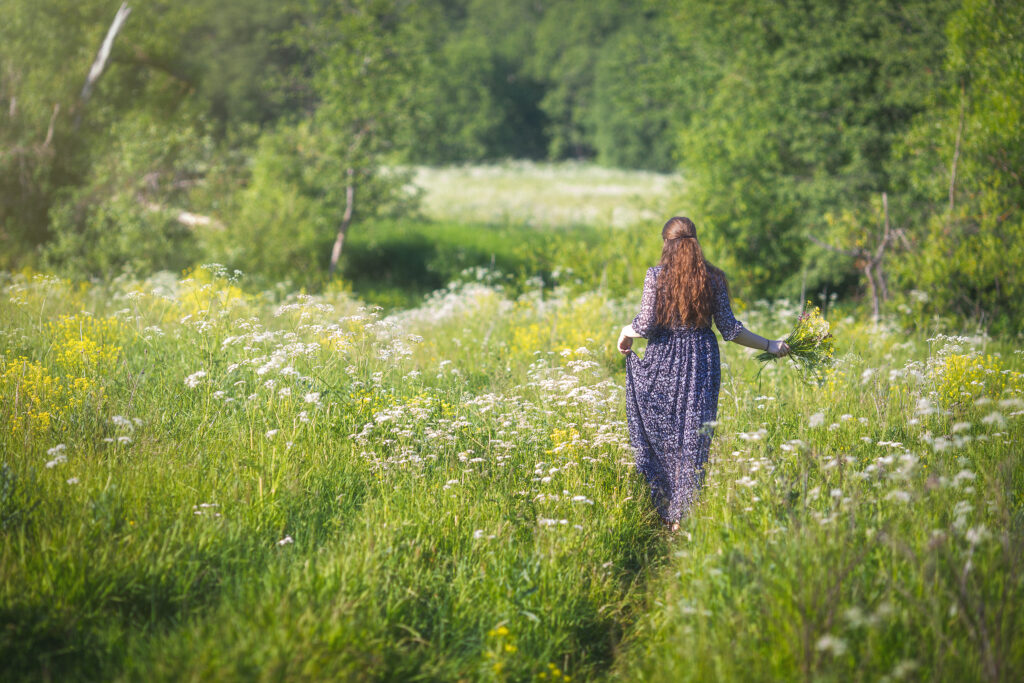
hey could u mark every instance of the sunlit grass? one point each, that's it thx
(547, 194)
(307, 489)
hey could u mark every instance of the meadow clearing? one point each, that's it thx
(204, 482)
(544, 195)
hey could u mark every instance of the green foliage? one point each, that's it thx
(566, 48)
(636, 109)
(276, 227)
(788, 120)
(968, 245)
(244, 64)
(794, 112)
(125, 212)
(396, 263)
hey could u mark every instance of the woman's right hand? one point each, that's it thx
(625, 343)
(778, 348)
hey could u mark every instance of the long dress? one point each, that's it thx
(672, 398)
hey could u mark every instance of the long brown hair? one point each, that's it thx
(685, 282)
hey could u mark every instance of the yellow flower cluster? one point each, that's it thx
(835, 383)
(203, 292)
(528, 338)
(564, 441)
(553, 674)
(34, 399)
(501, 646)
(572, 327)
(369, 398)
(960, 379)
(86, 345)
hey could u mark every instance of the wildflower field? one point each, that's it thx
(201, 482)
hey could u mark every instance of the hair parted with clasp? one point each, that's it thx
(685, 282)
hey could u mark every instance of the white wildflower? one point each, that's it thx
(817, 420)
(286, 540)
(994, 418)
(976, 534)
(832, 644)
(925, 407)
(898, 495)
(122, 422)
(192, 381)
(964, 475)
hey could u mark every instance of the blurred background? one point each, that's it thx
(869, 150)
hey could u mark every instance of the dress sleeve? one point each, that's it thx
(721, 310)
(643, 323)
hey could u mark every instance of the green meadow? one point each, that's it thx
(308, 313)
(206, 481)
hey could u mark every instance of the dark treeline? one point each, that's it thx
(867, 147)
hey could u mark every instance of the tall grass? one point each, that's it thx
(868, 529)
(206, 484)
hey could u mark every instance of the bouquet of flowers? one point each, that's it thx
(811, 345)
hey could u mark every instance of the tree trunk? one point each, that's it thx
(956, 147)
(102, 56)
(872, 290)
(350, 195)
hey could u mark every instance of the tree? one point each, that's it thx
(795, 110)
(640, 96)
(963, 166)
(569, 41)
(316, 176)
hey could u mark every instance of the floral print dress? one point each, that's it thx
(672, 398)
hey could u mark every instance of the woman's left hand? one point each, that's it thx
(778, 348)
(625, 343)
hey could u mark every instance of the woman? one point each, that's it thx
(672, 393)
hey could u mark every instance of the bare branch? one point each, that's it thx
(187, 218)
(886, 233)
(49, 129)
(193, 220)
(102, 56)
(873, 268)
(899, 232)
(871, 263)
